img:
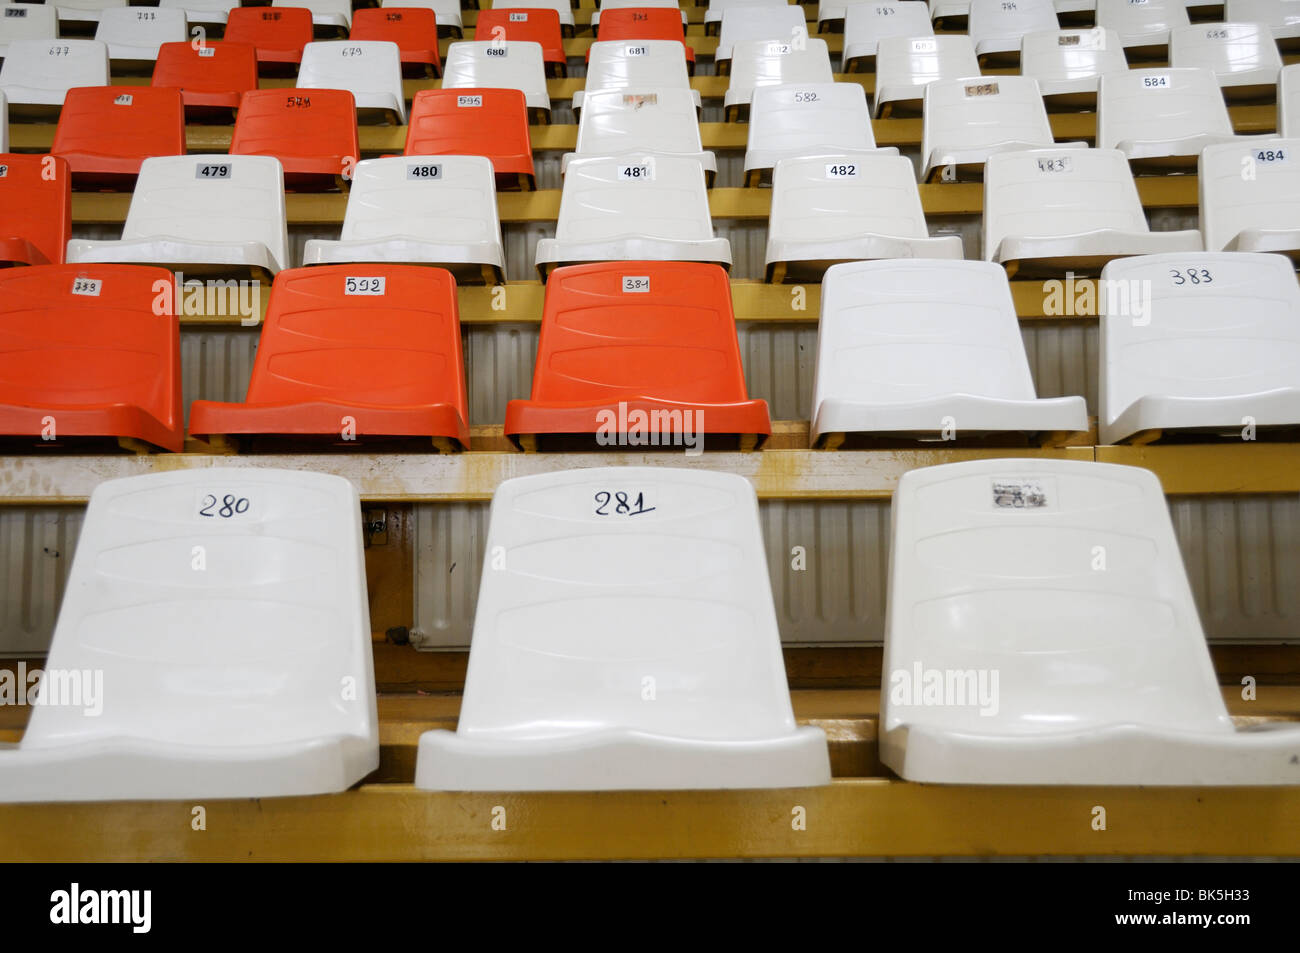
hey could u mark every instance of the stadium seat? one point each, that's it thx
(278, 34)
(351, 355)
(211, 78)
(518, 65)
(370, 71)
(967, 120)
(639, 353)
(775, 24)
(1161, 118)
(1068, 63)
(650, 121)
(312, 132)
(105, 132)
(906, 65)
(562, 8)
(421, 210)
(1049, 212)
(447, 13)
(27, 21)
(1012, 658)
(926, 350)
(617, 208)
(203, 12)
(831, 15)
(540, 26)
(83, 12)
(220, 610)
(832, 208)
(716, 8)
(1143, 25)
(1250, 197)
(803, 120)
(556, 695)
(1243, 56)
(763, 63)
(213, 214)
(35, 210)
(1282, 17)
(85, 353)
(1201, 342)
(644, 23)
(634, 66)
(1288, 102)
(475, 122)
(414, 30)
(640, 6)
(330, 18)
(134, 34)
(866, 24)
(36, 75)
(950, 15)
(998, 26)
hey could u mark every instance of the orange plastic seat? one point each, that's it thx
(277, 33)
(211, 78)
(529, 24)
(105, 132)
(352, 354)
(413, 29)
(35, 210)
(85, 353)
(644, 23)
(475, 122)
(313, 132)
(628, 348)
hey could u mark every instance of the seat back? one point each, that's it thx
(309, 131)
(608, 197)
(110, 130)
(807, 119)
(1058, 55)
(435, 198)
(35, 209)
(414, 30)
(518, 24)
(27, 21)
(503, 65)
(976, 112)
(614, 64)
(362, 67)
(36, 69)
(278, 34)
(1245, 186)
(866, 24)
(135, 33)
(832, 197)
(776, 24)
(660, 121)
(1142, 22)
(1156, 104)
(756, 63)
(1000, 24)
(473, 122)
(1227, 49)
(225, 67)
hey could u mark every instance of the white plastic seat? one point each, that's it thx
(806, 119)
(1161, 117)
(1288, 101)
(562, 7)
(324, 13)
(85, 11)
(624, 651)
(38, 74)
(866, 24)
(951, 14)
(765, 63)
(716, 8)
(421, 210)
(499, 65)
(776, 24)
(1142, 24)
(27, 21)
(1282, 17)
(623, 208)
(1250, 197)
(1243, 56)
(1048, 211)
(1041, 631)
(445, 12)
(217, 212)
(906, 65)
(222, 615)
(370, 70)
(998, 26)
(646, 121)
(833, 208)
(1216, 346)
(203, 11)
(1068, 63)
(645, 64)
(133, 34)
(930, 350)
(831, 13)
(967, 120)
(632, 4)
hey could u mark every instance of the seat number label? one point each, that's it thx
(364, 286)
(15, 13)
(805, 96)
(635, 173)
(1270, 155)
(222, 506)
(425, 172)
(924, 46)
(221, 171)
(841, 170)
(126, 99)
(1155, 82)
(4, 171)
(636, 284)
(496, 51)
(518, 18)
(349, 51)
(463, 101)
(638, 51)
(1057, 164)
(87, 286)
(778, 49)
(621, 503)
(982, 89)
(1018, 494)
(1190, 276)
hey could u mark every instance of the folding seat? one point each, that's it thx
(1161, 118)
(1250, 197)
(806, 120)
(508, 65)
(133, 34)
(35, 210)
(866, 24)
(211, 78)
(421, 210)
(1198, 342)
(105, 132)
(36, 75)
(211, 617)
(83, 12)
(1143, 25)
(1012, 658)
(562, 8)
(205, 12)
(447, 13)
(634, 66)
(1282, 17)
(1243, 56)
(351, 355)
(906, 65)
(926, 350)
(540, 26)
(967, 120)
(1048, 212)
(764, 63)
(414, 30)
(86, 353)
(27, 21)
(330, 18)
(832, 208)
(661, 122)
(625, 208)
(279, 34)
(555, 695)
(475, 122)
(313, 132)
(716, 8)
(776, 24)
(643, 23)
(370, 70)
(998, 26)
(638, 353)
(1288, 101)
(203, 214)
(1068, 63)
(641, 6)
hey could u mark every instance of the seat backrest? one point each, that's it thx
(828, 197)
(1225, 48)
(1142, 22)
(616, 64)
(359, 66)
(778, 24)
(757, 63)
(475, 122)
(130, 122)
(866, 24)
(810, 118)
(322, 9)
(285, 123)
(36, 206)
(505, 65)
(438, 198)
(1156, 104)
(283, 29)
(608, 197)
(1246, 185)
(615, 121)
(1288, 101)
(1071, 54)
(1009, 19)
(56, 67)
(983, 111)
(413, 29)
(129, 31)
(641, 22)
(214, 67)
(562, 8)
(1272, 13)
(537, 25)
(915, 61)
(27, 21)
